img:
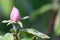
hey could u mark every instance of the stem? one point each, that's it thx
(18, 35)
(15, 33)
(52, 21)
(36, 38)
(33, 37)
(14, 28)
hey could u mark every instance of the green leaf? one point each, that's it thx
(41, 10)
(37, 33)
(8, 36)
(1, 37)
(26, 38)
(57, 24)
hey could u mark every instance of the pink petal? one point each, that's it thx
(15, 16)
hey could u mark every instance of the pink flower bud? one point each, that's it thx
(15, 16)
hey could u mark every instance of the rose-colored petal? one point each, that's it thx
(15, 16)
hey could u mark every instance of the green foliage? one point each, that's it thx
(31, 34)
(57, 24)
(37, 33)
(7, 36)
(41, 10)
(37, 9)
(26, 38)
(6, 6)
(27, 34)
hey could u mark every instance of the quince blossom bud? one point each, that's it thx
(15, 16)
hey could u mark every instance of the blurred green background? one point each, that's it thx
(40, 12)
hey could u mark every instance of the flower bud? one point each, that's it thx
(15, 16)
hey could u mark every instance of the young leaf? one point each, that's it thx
(21, 25)
(6, 21)
(9, 23)
(25, 17)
